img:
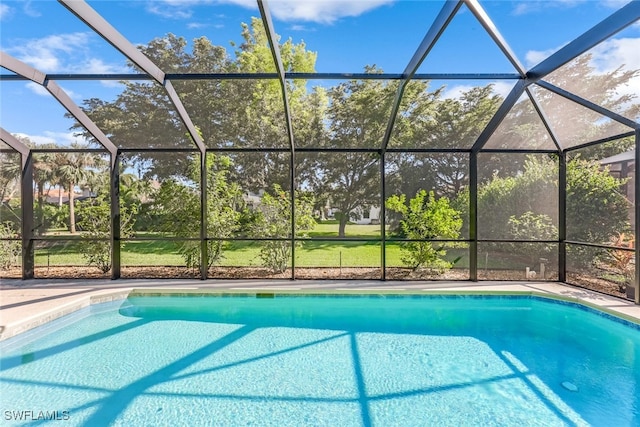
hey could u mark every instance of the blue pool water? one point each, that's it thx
(325, 361)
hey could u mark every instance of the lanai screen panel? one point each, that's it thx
(10, 191)
(602, 269)
(138, 114)
(560, 24)
(64, 177)
(607, 75)
(572, 123)
(346, 190)
(444, 174)
(48, 126)
(517, 196)
(395, 28)
(600, 199)
(46, 36)
(518, 261)
(236, 113)
(473, 54)
(341, 114)
(257, 186)
(338, 260)
(522, 129)
(446, 114)
(10, 211)
(160, 194)
(200, 37)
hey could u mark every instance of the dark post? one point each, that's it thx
(473, 216)
(562, 217)
(636, 283)
(114, 196)
(383, 214)
(292, 177)
(26, 190)
(204, 248)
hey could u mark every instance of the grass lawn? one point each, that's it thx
(247, 253)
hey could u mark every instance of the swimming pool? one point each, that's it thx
(338, 360)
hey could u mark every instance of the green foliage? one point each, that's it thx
(620, 261)
(10, 250)
(177, 208)
(426, 217)
(529, 224)
(534, 190)
(54, 216)
(597, 211)
(177, 205)
(274, 220)
(94, 219)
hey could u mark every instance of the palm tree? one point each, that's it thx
(43, 173)
(75, 170)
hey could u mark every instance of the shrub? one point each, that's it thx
(94, 218)
(274, 220)
(426, 217)
(10, 250)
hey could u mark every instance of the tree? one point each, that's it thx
(357, 116)
(425, 218)
(428, 120)
(177, 204)
(10, 172)
(274, 220)
(76, 169)
(95, 219)
(532, 189)
(597, 211)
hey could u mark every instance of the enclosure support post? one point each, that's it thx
(562, 216)
(204, 248)
(636, 283)
(114, 196)
(26, 190)
(473, 216)
(292, 177)
(383, 214)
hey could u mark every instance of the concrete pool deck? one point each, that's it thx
(26, 304)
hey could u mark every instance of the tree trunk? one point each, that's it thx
(343, 224)
(40, 225)
(72, 210)
(60, 190)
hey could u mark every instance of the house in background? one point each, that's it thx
(623, 166)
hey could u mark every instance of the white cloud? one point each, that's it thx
(37, 89)
(502, 88)
(42, 91)
(195, 25)
(169, 11)
(534, 57)
(72, 53)
(5, 11)
(323, 11)
(534, 6)
(455, 92)
(320, 11)
(615, 53)
(50, 137)
(182, 9)
(298, 27)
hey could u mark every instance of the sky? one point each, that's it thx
(346, 34)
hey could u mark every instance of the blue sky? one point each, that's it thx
(346, 34)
